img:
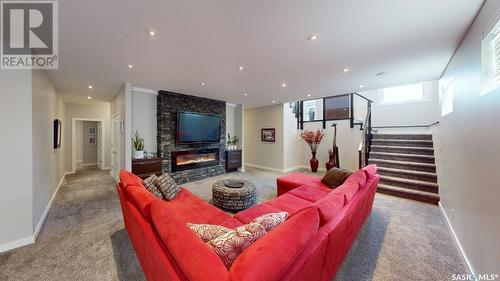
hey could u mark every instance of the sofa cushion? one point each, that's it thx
(193, 256)
(352, 185)
(271, 221)
(127, 178)
(310, 193)
(287, 241)
(329, 206)
(289, 203)
(231, 244)
(191, 208)
(167, 186)
(150, 185)
(295, 180)
(370, 171)
(335, 177)
(250, 214)
(208, 232)
(142, 199)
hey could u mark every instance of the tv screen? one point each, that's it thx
(197, 127)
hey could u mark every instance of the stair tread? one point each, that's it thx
(411, 181)
(402, 140)
(402, 154)
(401, 162)
(402, 147)
(408, 191)
(420, 173)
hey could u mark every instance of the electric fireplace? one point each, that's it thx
(191, 159)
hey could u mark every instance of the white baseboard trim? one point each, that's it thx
(16, 244)
(89, 164)
(456, 239)
(264, 167)
(320, 169)
(78, 161)
(105, 168)
(292, 169)
(47, 209)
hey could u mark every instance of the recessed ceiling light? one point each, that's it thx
(274, 101)
(90, 87)
(312, 37)
(203, 83)
(361, 86)
(346, 70)
(308, 95)
(152, 33)
(89, 98)
(240, 68)
(130, 66)
(245, 94)
(283, 85)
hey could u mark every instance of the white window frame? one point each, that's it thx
(490, 56)
(447, 93)
(383, 100)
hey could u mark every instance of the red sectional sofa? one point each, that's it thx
(310, 245)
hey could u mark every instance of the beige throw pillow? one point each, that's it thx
(272, 220)
(208, 232)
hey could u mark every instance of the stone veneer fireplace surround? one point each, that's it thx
(168, 105)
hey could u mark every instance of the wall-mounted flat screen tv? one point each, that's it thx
(197, 127)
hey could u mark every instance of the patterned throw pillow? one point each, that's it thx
(271, 221)
(150, 185)
(228, 246)
(167, 186)
(208, 232)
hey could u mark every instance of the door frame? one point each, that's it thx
(114, 174)
(73, 140)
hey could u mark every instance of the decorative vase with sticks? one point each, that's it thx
(313, 139)
(333, 152)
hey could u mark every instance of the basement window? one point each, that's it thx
(446, 92)
(403, 94)
(490, 57)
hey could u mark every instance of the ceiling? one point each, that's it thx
(206, 41)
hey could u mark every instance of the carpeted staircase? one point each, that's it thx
(406, 166)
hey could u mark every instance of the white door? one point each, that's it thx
(115, 147)
(99, 145)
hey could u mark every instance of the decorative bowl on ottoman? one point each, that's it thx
(233, 195)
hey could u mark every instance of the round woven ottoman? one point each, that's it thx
(233, 198)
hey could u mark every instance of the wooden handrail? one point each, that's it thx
(405, 126)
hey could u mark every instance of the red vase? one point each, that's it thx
(314, 163)
(330, 164)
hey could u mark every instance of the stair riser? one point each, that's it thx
(409, 196)
(413, 186)
(402, 150)
(406, 144)
(402, 137)
(404, 166)
(403, 158)
(427, 178)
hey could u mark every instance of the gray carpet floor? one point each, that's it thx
(83, 237)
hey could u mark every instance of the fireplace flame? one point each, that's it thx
(194, 159)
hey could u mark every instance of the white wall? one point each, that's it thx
(48, 163)
(418, 113)
(292, 148)
(144, 119)
(89, 151)
(87, 111)
(121, 106)
(16, 169)
(256, 152)
(230, 119)
(79, 141)
(469, 154)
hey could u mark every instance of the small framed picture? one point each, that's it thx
(92, 141)
(268, 134)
